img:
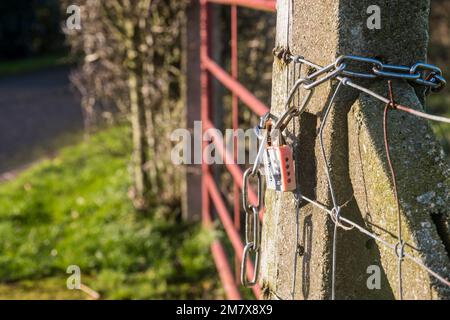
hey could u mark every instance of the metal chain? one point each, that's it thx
(434, 80)
(420, 73)
(263, 135)
(252, 227)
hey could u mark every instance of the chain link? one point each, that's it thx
(252, 226)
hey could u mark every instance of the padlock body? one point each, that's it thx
(279, 168)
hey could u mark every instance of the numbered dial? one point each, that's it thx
(279, 168)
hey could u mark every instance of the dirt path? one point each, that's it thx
(38, 111)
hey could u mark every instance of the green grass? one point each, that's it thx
(8, 68)
(74, 210)
(44, 289)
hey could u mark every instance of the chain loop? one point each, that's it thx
(252, 226)
(245, 188)
(403, 74)
(374, 62)
(331, 75)
(420, 73)
(252, 233)
(249, 248)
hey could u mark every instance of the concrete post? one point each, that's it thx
(321, 30)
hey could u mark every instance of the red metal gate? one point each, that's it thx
(211, 195)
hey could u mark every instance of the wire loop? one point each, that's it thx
(400, 250)
(245, 190)
(336, 218)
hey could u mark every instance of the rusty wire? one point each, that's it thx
(400, 246)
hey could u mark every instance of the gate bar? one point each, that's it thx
(210, 191)
(221, 261)
(225, 273)
(264, 5)
(232, 167)
(232, 233)
(234, 86)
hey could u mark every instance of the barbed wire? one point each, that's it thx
(420, 73)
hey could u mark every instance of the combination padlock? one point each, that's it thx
(279, 166)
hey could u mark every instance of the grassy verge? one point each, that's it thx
(8, 68)
(74, 210)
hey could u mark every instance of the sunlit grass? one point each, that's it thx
(74, 210)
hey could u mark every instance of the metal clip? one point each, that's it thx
(434, 80)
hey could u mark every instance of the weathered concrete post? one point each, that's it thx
(321, 30)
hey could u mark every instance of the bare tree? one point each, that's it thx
(131, 68)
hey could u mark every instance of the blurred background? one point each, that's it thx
(85, 121)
